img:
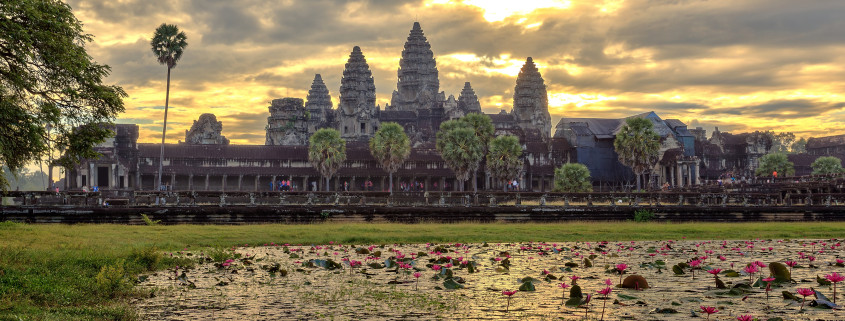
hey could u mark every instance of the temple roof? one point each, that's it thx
(827, 141)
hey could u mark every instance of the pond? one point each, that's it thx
(469, 281)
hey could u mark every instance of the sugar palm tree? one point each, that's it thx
(504, 158)
(326, 152)
(460, 148)
(390, 146)
(482, 125)
(637, 145)
(168, 44)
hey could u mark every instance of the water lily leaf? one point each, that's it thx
(774, 319)
(550, 277)
(375, 265)
(731, 274)
(720, 284)
(573, 302)
(789, 296)
(759, 283)
(527, 286)
(823, 304)
(822, 281)
(452, 284)
(571, 264)
(506, 263)
(471, 267)
(678, 270)
(780, 272)
(665, 311)
(819, 295)
(528, 279)
(626, 297)
(575, 292)
(362, 250)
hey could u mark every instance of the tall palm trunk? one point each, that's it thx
(638, 181)
(475, 181)
(163, 132)
(327, 183)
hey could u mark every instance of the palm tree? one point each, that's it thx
(482, 125)
(391, 147)
(460, 148)
(503, 158)
(573, 178)
(637, 145)
(168, 44)
(326, 152)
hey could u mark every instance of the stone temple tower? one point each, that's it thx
(319, 106)
(357, 113)
(418, 85)
(468, 101)
(530, 100)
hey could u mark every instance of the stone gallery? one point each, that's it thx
(206, 161)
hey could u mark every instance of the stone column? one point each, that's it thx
(689, 178)
(240, 181)
(679, 176)
(257, 179)
(112, 177)
(273, 182)
(91, 172)
(697, 174)
(207, 177)
(352, 184)
(223, 187)
(191, 181)
(173, 181)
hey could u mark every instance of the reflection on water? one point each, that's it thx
(275, 282)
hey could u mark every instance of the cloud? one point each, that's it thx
(756, 64)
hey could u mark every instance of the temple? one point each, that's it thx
(206, 160)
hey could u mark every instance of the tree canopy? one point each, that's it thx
(504, 158)
(460, 148)
(827, 165)
(777, 162)
(326, 152)
(637, 145)
(47, 77)
(573, 178)
(390, 147)
(482, 126)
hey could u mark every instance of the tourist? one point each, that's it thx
(345, 186)
(313, 186)
(272, 188)
(515, 185)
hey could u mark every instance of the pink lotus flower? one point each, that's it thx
(835, 278)
(436, 267)
(709, 311)
(606, 291)
(805, 293)
(509, 294)
(791, 263)
(745, 317)
(715, 271)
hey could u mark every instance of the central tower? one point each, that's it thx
(418, 85)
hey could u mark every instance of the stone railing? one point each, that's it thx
(705, 198)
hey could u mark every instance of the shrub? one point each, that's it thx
(112, 281)
(573, 178)
(827, 165)
(149, 221)
(643, 216)
(148, 258)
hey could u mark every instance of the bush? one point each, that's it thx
(573, 178)
(112, 281)
(643, 216)
(147, 258)
(149, 221)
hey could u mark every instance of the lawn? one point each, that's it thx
(67, 272)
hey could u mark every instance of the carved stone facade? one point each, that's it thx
(319, 106)
(357, 111)
(418, 86)
(287, 124)
(206, 131)
(531, 101)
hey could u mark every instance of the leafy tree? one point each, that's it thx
(390, 146)
(460, 148)
(781, 142)
(799, 146)
(503, 158)
(637, 145)
(777, 162)
(482, 125)
(326, 152)
(168, 44)
(827, 165)
(25, 180)
(47, 78)
(573, 178)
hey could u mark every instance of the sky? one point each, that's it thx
(739, 65)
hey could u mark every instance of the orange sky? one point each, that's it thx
(754, 65)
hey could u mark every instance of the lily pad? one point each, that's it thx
(527, 286)
(635, 282)
(780, 272)
(452, 284)
(678, 270)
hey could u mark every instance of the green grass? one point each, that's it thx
(49, 272)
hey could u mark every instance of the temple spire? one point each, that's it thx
(318, 95)
(357, 110)
(531, 101)
(468, 101)
(418, 84)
